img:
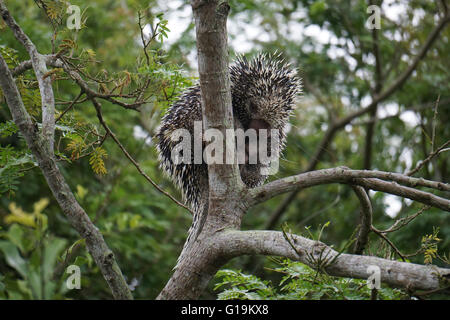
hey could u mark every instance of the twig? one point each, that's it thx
(365, 220)
(391, 244)
(70, 106)
(442, 148)
(400, 223)
(433, 133)
(97, 106)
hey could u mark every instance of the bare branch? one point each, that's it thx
(389, 242)
(70, 106)
(134, 162)
(50, 59)
(365, 221)
(400, 223)
(405, 192)
(272, 243)
(429, 158)
(38, 62)
(365, 178)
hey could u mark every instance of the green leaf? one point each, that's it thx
(16, 235)
(13, 257)
(7, 129)
(53, 249)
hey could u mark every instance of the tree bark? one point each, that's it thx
(319, 256)
(203, 258)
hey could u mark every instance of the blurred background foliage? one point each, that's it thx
(331, 47)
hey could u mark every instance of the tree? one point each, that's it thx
(221, 238)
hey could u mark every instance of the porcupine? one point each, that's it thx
(263, 92)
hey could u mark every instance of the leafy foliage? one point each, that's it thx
(299, 282)
(7, 129)
(430, 246)
(10, 55)
(31, 254)
(96, 160)
(76, 146)
(11, 163)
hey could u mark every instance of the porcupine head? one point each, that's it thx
(263, 95)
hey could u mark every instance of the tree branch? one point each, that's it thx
(201, 260)
(368, 146)
(364, 178)
(97, 106)
(38, 62)
(58, 62)
(428, 159)
(210, 21)
(272, 243)
(365, 221)
(50, 59)
(340, 124)
(76, 215)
